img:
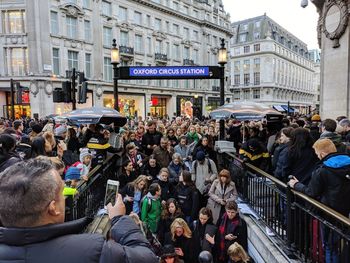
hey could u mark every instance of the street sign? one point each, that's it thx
(176, 72)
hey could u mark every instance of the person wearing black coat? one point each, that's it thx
(133, 194)
(151, 169)
(204, 232)
(187, 195)
(202, 146)
(44, 237)
(280, 155)
(165, 185)
(151, 138)
(8, 156)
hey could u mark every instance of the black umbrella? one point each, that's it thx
(246, 111)
(96, 115)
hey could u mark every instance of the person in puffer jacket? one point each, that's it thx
(32, 214)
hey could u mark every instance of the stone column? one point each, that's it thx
(334, 40)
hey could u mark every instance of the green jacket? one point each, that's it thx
(151, 211)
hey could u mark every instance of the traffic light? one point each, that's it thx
(82, 92)
(67, 91)
(57, 95)
(19, 90)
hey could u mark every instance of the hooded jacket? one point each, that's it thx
(62, 243)
(151, 209)
(330, 183)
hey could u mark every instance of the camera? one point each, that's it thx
(304, 3)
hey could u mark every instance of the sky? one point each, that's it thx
(301, 22)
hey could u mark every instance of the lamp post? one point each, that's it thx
(115, 62)
(222, 60)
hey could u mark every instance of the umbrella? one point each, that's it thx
(96, 115)
(246, 111)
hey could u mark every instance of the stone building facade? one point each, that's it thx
(270, 65)
(41, 39)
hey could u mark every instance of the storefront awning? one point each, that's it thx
(285, 107)
(279, 108)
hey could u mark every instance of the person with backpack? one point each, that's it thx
(151, 207)
(187, 196)
(204, 172)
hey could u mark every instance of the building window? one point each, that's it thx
(72, 60)
(246, 95)
(186, 10)
(246, 49)
(167, 26)
(107, 69)
(237, 80)
(87, 30)
(56, 61)
(195, 35)
(256, 47)
(123, 15)
(247, 79)
(18, 61)
(107, 36)
(256, 78)
(257, 24)
(124, 38)
(186, 33)
(138, 43)
(186, 53)
(196, 56)
(246, 65)
(176, 52)
(176, 6)
(242, 38)
(149, 45)
(54, 23)
(236, 51)
(257, 64)
(157, 24)
(137, 18)
(158, 47)
(237, 66)
(256, 35)
(15, 21)
(195, 13)
(86, 3)
(176, 29)
(148, 20)
(244, 27)
(71, 27)
(88, 65)
(106, 8)
(256, 93)
(237, 95)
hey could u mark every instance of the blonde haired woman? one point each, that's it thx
(237, 254)
(133, 193)
(181, 238)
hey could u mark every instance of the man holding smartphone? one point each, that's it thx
(32, 211)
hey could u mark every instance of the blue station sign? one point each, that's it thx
(176, 72)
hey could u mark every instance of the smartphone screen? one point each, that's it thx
(112, 189)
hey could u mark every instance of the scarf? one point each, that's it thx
(225, 225)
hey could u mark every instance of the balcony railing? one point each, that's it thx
(188, 62)
(159, 57)
(215, 88)
(126, 51)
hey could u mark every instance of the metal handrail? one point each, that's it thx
(329, 211)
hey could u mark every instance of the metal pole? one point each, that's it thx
(288, 108)
(12, 99)
(115, 86)
(222, 100)
(74, 107)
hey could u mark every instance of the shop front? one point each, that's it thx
(213, 103)
(130, 106)
(190, 107)
(21, 108)
(158, 106)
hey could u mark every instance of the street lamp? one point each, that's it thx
(222, 60)
(115, 60)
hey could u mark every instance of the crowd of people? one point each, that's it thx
(170, 182)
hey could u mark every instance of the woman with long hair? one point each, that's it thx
(181, 238)
(167, 187)
(237, 254)
(221, 191)
(188, 196)
(281, 151)
(72, 140)
(133, 193)
(8, 156)
(169, 213)
(40, 147)
(204, 232)
(204, 146)
(301, 158)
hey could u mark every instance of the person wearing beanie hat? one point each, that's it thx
(61, 131)
(71, 179)
(169, 255)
